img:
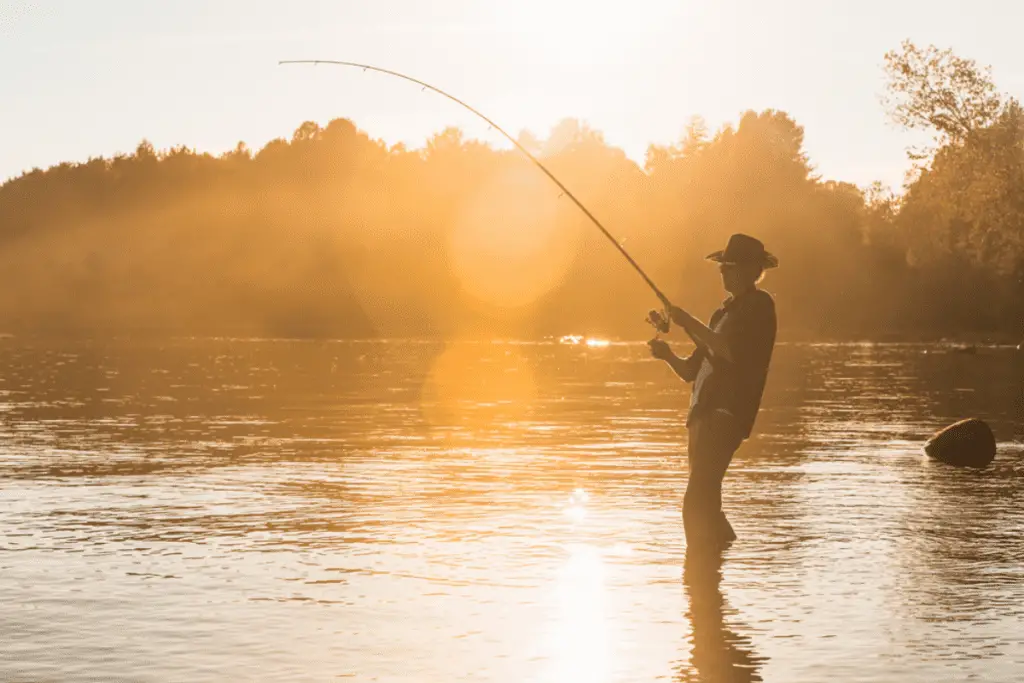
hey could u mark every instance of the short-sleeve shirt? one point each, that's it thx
(749, 326)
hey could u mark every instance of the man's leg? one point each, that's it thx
(712, 443)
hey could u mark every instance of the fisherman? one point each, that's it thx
(729, 368)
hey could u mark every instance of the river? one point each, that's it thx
(411, 511)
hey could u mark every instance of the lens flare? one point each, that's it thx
(507, 253)
(473, 385)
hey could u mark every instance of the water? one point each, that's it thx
(399, 511)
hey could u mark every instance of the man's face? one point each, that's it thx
(736, 276)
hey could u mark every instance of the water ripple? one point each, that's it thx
(254, 509)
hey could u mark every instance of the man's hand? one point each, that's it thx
(679, 316)
(661, 350)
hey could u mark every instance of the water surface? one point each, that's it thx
(414, 512)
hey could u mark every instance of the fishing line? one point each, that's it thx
(659, 323)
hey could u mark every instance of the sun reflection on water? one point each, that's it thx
(580, 639)
(577, 508)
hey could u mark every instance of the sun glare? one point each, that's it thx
(571, 33)
(577, 508)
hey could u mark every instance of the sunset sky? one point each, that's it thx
(94, 78)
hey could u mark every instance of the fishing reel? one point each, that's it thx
(659, 320)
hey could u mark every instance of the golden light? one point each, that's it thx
(577, 508)
(598, 343)
(508, 253)
(471, 385)
(580, 33)
(581, 638)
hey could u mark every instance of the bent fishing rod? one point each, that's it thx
(660, 323)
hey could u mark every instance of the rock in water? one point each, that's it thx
(967, 443)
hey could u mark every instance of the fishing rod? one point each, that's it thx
(660, 323)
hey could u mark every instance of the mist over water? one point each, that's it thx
(225, 509)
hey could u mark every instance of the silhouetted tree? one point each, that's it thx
(328, 232)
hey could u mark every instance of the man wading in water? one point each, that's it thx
(729, 368)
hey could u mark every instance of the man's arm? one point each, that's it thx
(748, 338)
(702, 335)
(686, 368)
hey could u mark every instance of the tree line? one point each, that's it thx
(332, 233)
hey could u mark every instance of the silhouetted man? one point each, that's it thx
(729, 368)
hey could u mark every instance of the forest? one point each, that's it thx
(333, 234)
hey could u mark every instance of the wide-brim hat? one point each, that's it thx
(744, 249)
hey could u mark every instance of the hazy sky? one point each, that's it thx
(94, 77)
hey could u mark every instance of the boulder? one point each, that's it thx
(967, 443)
